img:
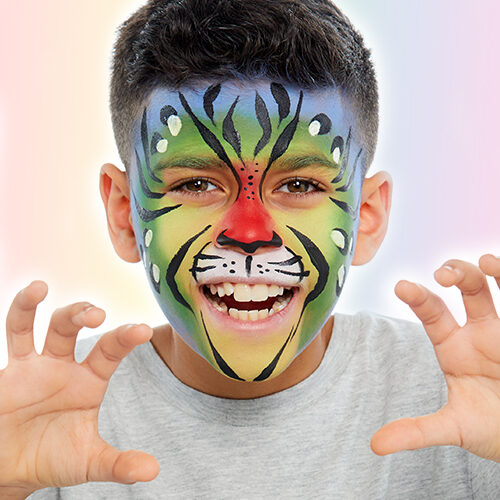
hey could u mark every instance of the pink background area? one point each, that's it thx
(439, 76)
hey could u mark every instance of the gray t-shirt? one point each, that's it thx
(311, 441)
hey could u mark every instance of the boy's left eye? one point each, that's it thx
(299, 186)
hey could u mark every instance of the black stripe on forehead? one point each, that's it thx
(210, 139)
(174, 267)
(208, 100)
(282, 98)
(283, 141)
(145, 143)
(264, 121)
(229, 131)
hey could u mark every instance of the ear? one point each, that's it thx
(376, 195)
(115, 195)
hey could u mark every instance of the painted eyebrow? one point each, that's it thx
(194, 162)
(297, 162)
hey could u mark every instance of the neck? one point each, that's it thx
(194, 371)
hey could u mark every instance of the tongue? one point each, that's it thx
(247, 306)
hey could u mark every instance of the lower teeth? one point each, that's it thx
(254, 314)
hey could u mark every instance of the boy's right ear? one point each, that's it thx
(115, 194)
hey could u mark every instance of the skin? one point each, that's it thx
(50, 404)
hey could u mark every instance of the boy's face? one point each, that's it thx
(245, 201)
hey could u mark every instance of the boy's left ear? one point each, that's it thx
(115, 194)
(376, 195)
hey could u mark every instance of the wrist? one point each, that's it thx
(15, 493)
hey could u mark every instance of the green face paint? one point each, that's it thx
(245, 202)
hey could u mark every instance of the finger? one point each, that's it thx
(472, 284)
(416, 433)
(64, 326)
(20, 319)
(490, 265)
(112, 347)
(127, 467)
(430, 309)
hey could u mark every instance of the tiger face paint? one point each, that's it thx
(245, 201)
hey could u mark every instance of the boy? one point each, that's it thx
(246, 130)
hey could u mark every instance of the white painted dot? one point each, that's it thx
(174, 124)
(314, 127)
(162, 146)
(338, 238)
(336, 155)
(341, 275)
(156, 273)
(148, 238)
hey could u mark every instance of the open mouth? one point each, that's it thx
(248, 302)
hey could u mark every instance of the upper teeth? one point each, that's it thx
(244, 292)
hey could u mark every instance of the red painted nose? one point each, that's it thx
(248, 226)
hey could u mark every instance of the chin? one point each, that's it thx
(250, 326)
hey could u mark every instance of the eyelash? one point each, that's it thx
(311, 182)
(179, 187)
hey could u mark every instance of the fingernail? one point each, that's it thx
(448, 267)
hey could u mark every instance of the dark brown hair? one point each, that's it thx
(179, 42)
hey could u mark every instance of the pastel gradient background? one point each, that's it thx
(439, 77)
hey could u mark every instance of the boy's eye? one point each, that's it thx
(298, 186)
(196, 186)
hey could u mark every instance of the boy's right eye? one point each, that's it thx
(195, 186)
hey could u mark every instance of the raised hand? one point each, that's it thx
(49, 403)
(469, 356)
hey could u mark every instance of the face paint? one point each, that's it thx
(245, 201)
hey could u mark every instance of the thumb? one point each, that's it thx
(415, 433)
(127, 467)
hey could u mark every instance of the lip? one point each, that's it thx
(260, 327)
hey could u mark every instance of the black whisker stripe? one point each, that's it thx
(345, 207)
(348, 184)
(145, 188)
(210, 140)
(264, 121)
(149, 215)
(301, 264)
(290, 273)
(283, 141)
(202, 256)
(345, 160)
(289, 262)
(229, 131)
(145, 143)
(226, 369)
(268, 370)
(197, 269)
(174, 267)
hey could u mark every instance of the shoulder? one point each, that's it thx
(391, 351)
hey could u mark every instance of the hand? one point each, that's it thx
(49, 403)
(470, 359)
